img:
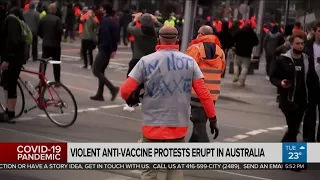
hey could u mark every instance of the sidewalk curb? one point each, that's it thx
(228, 98)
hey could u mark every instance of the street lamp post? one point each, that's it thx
(188, 22)
(256, 53)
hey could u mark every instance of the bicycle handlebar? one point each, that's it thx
(49, 61)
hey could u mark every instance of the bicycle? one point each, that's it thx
(38, 94)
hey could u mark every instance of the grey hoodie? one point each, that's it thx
(271, 42)
(32, 18)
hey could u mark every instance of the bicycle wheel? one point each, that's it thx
(52, 97)
(20, 101)
(19, 110)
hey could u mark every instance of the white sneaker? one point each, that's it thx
(128, 108)
(89, 67)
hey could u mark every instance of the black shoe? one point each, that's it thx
(97, 98)
(4, 118)
(57, 85)
(114, 93)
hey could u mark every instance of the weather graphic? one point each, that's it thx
(294, 152)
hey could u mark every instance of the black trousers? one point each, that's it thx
(99, 66)
(199, 119)
(132, 46)
(69, 32)
(310, 124)
(34, 49)
(132, 63)
(125, 35)
(269, 59)
(55, 54)
(226, 56)
(87, 47)
(293, 119)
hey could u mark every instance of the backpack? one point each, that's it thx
(26, 33)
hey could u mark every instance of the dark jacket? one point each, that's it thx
(271, 42)
(108, 35)
(32, 18)
(70, 17)
(308, 49)
(51, 30)
(125, 19)
(225, 36)
(12, 48)
(144, 43)
(284, 68)
(244, 41)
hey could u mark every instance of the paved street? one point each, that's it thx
(245, 115)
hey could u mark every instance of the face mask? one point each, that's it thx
(297, 51)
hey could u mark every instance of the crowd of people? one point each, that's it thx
(172, 81)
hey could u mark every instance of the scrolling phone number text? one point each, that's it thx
(231, 166)
(204, 166)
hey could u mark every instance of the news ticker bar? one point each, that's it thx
(159, 166)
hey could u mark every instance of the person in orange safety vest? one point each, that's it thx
(211, 60)
(253, 22)
(165, 112)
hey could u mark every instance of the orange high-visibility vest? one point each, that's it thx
(241, 23)
(77, 11)
(230, 24)
(212, 66)
(26, 7)
(219, 26)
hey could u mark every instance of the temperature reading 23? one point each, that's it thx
(294, 155)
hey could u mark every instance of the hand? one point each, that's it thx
(137, 16)
(286, 83)
(214, 127)
(91, 14)
(287, 44)
(4, 66)
(155, 19)
(113, 54)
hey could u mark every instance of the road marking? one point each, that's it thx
(276, 128)
(112, 106)
(240, 136)
(255, 132)
(71, 74)
(53, 115)
(135, 171)
(92, 109)
(230, 140)
(79, 111)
